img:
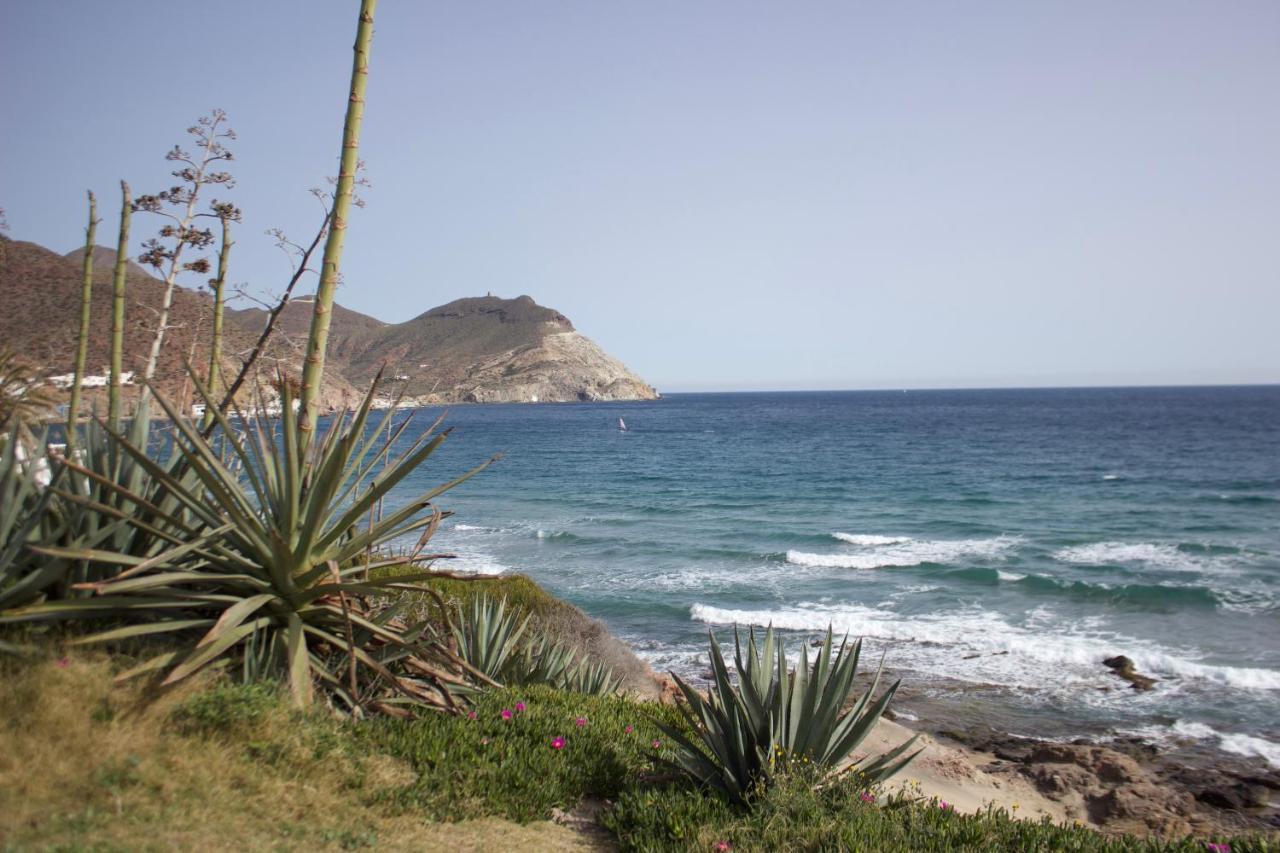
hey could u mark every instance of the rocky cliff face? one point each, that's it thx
(490, 350)
(562, 367)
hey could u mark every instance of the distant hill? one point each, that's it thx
(478, 349)
(482, 349)
(40, 298)
(105, 259)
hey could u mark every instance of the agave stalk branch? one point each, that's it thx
(86, 306)
(318, 339)
(260, 345)
(188, 216)
(117, 309)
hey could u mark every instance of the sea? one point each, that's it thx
(992, 546)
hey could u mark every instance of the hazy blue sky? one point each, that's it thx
(726, 195)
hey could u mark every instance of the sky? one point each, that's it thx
(725, 195)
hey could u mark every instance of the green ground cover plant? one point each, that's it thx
(223, 765)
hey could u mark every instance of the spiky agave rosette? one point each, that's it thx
(775, 718)
(269, 544)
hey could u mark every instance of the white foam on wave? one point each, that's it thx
(1009, 577)
(870, 539)
(1249, 746)
(1111, 476)
(1108, 553)
(475, 528)
(474, 563)
(910, 553)
(1038, 655)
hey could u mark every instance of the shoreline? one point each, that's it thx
(1123, 785)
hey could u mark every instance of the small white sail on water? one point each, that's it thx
(622, 425)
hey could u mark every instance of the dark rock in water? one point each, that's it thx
(1123, 667)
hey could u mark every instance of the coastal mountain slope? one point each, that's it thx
(40, 294)
(482, 349)
(349, 332)
(476, 350)
(488, 349)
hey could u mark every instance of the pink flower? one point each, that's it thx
(506, 714)
(557, 743)
(63, 663)
(519, 707)
(471, 715)
(722, 846)
(1218, 848)
(580, 722)
(944, 805)
(629, 729)
(867, 797)
(656, 743)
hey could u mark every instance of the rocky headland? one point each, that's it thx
(473, 350)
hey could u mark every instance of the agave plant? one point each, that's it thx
(492, 639)
(487, 634)
(594, 678)
(272, 564)
(774, 717)
(30, 515)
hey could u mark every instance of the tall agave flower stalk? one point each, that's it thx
(166, 252)
(117, 310)
(322, 315)
(219, 283)
(86, 304)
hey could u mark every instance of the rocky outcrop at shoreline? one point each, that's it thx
(1130, 786)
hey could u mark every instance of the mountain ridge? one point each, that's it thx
(472, 349)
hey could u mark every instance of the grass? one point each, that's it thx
(796, 815)
(86, 764)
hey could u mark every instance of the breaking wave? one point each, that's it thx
(1023, 652)
(1249, 746)
(870, 539)
(910, 552)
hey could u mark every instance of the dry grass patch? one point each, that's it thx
(86, 764)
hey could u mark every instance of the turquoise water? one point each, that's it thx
(995, 545)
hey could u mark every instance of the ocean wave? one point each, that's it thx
(1163, 596)
(1246, 499)
(1249, 746)
(1010, 577)
(910, 553)
(1004, 653)
(475, 528)
(870, 539)
(476, 564)
(1107, 553)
